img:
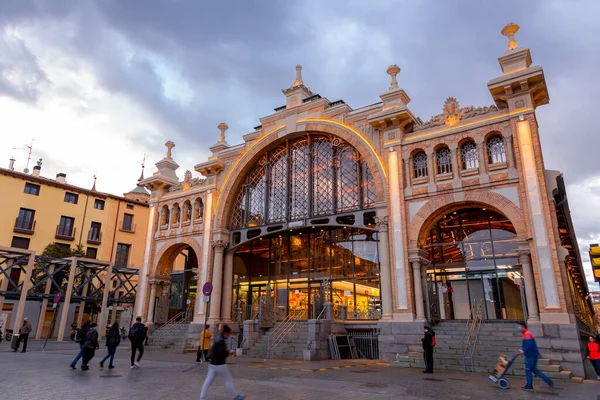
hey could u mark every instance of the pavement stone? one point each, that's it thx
(46, 375)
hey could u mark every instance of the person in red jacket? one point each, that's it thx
(594, 354)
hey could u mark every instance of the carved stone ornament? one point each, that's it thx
(391, 135)
(382, 223)
(169, 146)
(187, 178)
(451, 111)
(219, 245)
(520, 103)
(465, 113)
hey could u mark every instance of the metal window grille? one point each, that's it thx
(257, 190)
(444, 161)
(323, 177)
(347, 179)
(420, 164)
(496, 152)
(277, 188)
(469, 157)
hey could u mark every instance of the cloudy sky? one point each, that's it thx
(98, 84)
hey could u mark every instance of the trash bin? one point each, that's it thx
(13, 343)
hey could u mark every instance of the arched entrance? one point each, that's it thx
(173, 285)
(302, 232)
(473, 260)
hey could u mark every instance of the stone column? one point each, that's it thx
(430, 165)
(417, 258)
(217, 282)
(385, 273)
(145, 270)
(483, 160)
(533, 312)
(407, 170)
(151, 304)
(395, 199)
(227, 288)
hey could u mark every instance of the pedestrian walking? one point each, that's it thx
(113, 339)
(531, 353)
(428, 343)
(218, 365)
(90, 345)
(137, 335)
(594, 354)
(204, 346)
(24, 332)
(80, 338)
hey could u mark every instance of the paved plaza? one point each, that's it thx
(46, 375)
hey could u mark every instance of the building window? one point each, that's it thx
(91, 252)
(65, 229)
(122, 256)
(20, 242)
(127, 223)
(164, 219)
(95, 234)
(468, 153)
(25, 221)
(176, 214)
(198, 209)
(64, 247)
(71, 198)
(187, 211)
(129, 206)
(99, 204)
(495, 147)
(444, 161)
(31, 188)
(420, 164)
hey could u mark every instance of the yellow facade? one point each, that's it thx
(51, 203)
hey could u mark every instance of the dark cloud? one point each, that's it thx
(20, 74)
(235, 57)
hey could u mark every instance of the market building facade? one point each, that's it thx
(375, 217)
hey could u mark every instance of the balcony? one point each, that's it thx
(94, 237)
(26, 226)
(127, 227)
(65, 232)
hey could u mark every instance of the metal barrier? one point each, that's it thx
(471, 336)
(367, 343)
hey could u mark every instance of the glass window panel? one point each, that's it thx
(366, 262)
(298, 256)
(347, 179)
(322, 176)
(319, 254)
(469, 156)
(444, 161)
(420, 164)
(495, 148)
(341, 253)
(278, 185)
(279, 259)
(257, 193)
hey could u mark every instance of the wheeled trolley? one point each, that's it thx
(502, 368)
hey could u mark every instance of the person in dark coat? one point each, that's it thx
(113, 339)
(218, 365)
(531, 353)
(80, 338)
(24, 332)
(427, 343)
(90, 345)
(137, 334)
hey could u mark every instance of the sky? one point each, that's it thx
(99, 84)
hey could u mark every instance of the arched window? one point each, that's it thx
(495, 147)
(198, 209)
(420, 164)
(164, 219)
(468, 153)
(444, 161)
(176, 214)
(187, 211)
(307, 176)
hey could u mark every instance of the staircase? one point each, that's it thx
(493, 339)
(171, 337)
(289, 348)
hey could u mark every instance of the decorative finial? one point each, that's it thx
(39, 162)
(509, 30)
(170, 146)
(298, 80)
(94, 186)
(143, 166)
(222, 127)
(392, 71)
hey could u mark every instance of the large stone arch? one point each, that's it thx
(270, 140)
(168, 252)
(440, 205)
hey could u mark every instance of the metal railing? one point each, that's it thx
(65, 232)
(471, 336)
(94, 237)
(286, 326)
(24, 225)
(181, 318)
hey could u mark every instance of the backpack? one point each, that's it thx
(113, 340)
(433, 341)
(137, 332)
(80, 336)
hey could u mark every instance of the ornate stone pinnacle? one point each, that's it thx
(170, 146)
(298, 80)
(392, 71)
(222, 127)
(509, 31)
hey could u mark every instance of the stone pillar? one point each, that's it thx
(385, 272)
(483, 160)
(151, 304)
(217, 282)
(227, 288)
(417, 258)
(145, 270)
(397, 230)
(199, 316)
(431, 169)
(533, 312)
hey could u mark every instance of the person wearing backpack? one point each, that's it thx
(113, 339)
(80, 338)
(90, 345)
(428, 341)
(137, 335)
